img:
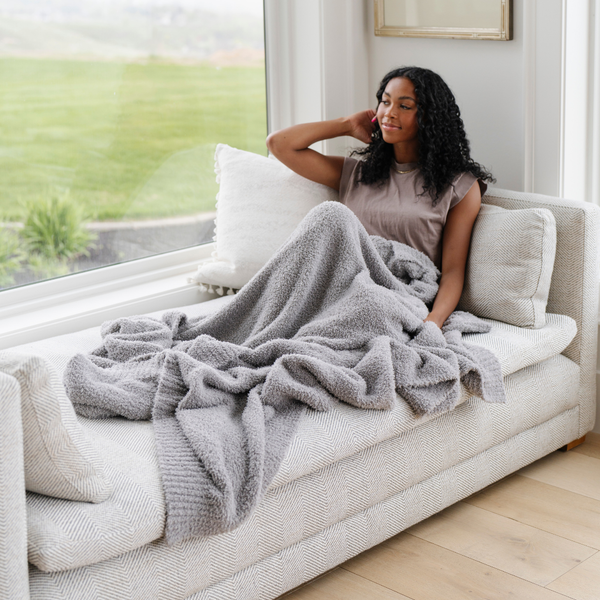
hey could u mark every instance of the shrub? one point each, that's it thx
(54, 231)
(44, 267)
(11, 256)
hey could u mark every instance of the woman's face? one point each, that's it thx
(397, 111)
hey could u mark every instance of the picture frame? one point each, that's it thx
(460, 19)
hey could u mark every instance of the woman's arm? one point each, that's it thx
(291, 146)
(455, 250)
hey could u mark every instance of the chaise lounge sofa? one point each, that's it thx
(351, 478)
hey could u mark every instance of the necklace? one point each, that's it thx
(404, 172)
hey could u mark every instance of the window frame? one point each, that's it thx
(87, 299)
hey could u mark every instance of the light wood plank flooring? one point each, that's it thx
(532, 536)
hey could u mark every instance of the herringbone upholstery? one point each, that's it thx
(574, 287)
(14, 583)
(510, 265)
(64, 535)
(361, 459)
(59, 460)
(517, 348)
(321, 519)
(301, 562)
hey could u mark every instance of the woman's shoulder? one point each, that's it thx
(351, 163)
(461, 184)
(350, 174)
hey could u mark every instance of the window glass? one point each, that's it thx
(110, 111)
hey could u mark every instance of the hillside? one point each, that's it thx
(130, 30)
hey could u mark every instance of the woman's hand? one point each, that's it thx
(432, 319)
(362, 125)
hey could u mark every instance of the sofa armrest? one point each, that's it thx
(14, 578)
(575, 280)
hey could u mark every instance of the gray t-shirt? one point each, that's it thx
(395, 210)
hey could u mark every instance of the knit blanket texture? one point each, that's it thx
(335, 315)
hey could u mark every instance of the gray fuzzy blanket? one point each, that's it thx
(335, 314)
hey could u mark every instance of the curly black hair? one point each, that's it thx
(443, 145)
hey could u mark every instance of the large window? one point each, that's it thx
(110, 112)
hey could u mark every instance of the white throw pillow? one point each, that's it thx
(260, 203)
(510, 265)
(60, 461)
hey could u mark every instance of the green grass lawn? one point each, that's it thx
(131, 141)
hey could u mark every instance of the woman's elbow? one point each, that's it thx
(274, 143)
(269, 142)
(279, 144)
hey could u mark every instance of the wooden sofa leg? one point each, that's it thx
(572, 444)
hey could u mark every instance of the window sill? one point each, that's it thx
(83, 300)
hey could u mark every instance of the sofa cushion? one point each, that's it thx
(517, 347)
(59, 459)
(260, 203)
(351, 459)
(510, 265)
(64, 535)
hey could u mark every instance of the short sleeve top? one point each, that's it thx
(397, 211)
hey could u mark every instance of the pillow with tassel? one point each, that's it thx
(260, 202)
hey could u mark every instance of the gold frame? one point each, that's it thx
(503, 32)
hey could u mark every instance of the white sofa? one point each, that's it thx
(351, 478)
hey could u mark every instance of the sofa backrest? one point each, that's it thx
(575, 278)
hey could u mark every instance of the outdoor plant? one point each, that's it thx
(54, 232)
(44, 267)
(11, 256)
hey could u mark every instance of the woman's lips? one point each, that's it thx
(390, 127)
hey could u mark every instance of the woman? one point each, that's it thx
(323, 319)
(416, 181)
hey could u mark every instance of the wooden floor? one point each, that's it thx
(532, 536)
